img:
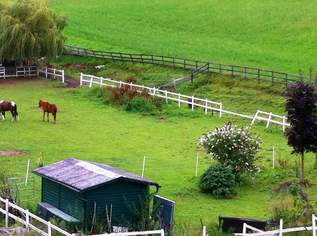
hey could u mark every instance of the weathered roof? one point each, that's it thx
(83, 175)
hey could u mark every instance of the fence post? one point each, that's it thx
(27, 219)
(284, 123)
(81, 79)
(244, 231)
(269, 120)
(281, 228)
(143, 166)
(162, 232)
(49, 228)
(166, 96)
(63, 76)
(204, 231)
(179, 100)
(7, 213)
(193, 103)
(314, 225)
(206, 106)
(220, 112)
(90, 84)
(46, 75)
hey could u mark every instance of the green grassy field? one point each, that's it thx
(89, 130)
(274, 34)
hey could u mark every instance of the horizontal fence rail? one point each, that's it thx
(52, 73)
(27, 219)
(193, 65)
(153, 232)
(20, 71)
(191, 101)
(256, 232)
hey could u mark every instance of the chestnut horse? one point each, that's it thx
(48, 108)
(9, 106)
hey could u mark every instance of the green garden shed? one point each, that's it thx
(85, 193)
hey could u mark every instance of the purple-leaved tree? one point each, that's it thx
(301, 107)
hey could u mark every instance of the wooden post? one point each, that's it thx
(90, 85)
(284, 123)
(7, 213)
(27, 172)
(27, 219)
(81, 79)
(206, 106)
(49, 228)
(269, 120)
(244, 231)
(204, 231)
(166, 101)
(63, 76)
(281, 228)
(196, 168)
(193, 103)
(179, 100)
(162, 232)
(54, 73)
(46, 75)
(220, 112)
(314, 225)
(143, 166)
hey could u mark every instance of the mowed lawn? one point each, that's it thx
(273, 33)
(90, 130)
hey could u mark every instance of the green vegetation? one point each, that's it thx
(30, 30)
(273, 34)
(121, 139)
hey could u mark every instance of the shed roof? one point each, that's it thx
(83, 175)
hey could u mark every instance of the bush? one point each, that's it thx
(232, 147)
(219, 180)
(141, 104)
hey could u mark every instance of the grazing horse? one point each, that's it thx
(9, 106)
(48, 108)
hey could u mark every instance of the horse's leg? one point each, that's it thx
(48, 116)
(13, 115)
(55, 117)
(43, 115)
(4, 115)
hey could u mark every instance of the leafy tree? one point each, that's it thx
(30, 30)
(232, 147)
(302, 114)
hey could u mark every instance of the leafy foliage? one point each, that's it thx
(30, 30)
(302, 114)
(232, 147)
(218, 180)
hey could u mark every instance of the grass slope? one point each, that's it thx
(89, 130)
(276, 34)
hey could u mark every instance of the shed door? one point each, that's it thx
(50, 192)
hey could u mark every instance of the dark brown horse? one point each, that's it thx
(48, 108)
(9, 106)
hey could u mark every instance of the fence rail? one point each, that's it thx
(53, 73)
(280, 231)
(20, 71)
(28, 219)
(259, 74)
(191, 101)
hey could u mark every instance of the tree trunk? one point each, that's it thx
(303, 167)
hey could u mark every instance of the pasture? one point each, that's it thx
(273, 34)
(89, 130)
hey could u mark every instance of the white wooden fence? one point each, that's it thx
(52, 73)
(33, 71)
(280, 231)
(191, 101)
(20, 71)
(28, 219)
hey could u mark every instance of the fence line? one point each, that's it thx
(191, 101)
(259, 74)
(53, 73)
(279, 231)
(27, 219)
(32, 71)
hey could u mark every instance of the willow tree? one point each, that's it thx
(30, 30)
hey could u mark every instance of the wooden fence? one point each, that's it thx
(280, 231)
(28, 220)
(52, 73)
(190, 101)
(20, 71)
(259, 74)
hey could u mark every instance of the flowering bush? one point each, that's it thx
(232, 147)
